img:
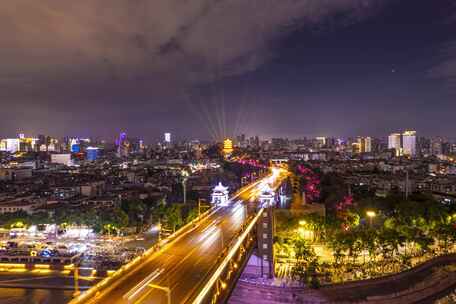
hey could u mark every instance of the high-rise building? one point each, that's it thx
(409, 143)
(167, 138)
(394, 142)
(423, 146)
(319, 142)
(446, 148)
(279, 143)
(364, 144)
(92, 153)
(256, 142)
(123, 145)
(241, 140)
(437, 146)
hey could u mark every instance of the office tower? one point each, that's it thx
(446, 148)
(409, 143)
(364, 144)
(423, 146)
(437, 146)
(241, 140)
(394, 142)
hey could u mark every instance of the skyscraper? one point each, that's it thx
(436, 146)
(394, 142)
(365, 144)
(409, 143)
(362, 145)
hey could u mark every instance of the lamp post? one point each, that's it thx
(184, 175)
(200, 205)
(370, 214)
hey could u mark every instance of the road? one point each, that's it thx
(182, 266)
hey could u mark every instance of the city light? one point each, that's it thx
(227, 146)
(371, 213)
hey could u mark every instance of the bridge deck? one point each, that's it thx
(183, 266)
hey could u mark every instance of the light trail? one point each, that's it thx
(133, 293)
(204, 292)
(188, 260)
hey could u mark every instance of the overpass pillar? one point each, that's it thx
(265, 233)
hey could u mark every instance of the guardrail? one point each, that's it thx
(218, 272)
(108, 281)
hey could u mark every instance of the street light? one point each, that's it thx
(184, 175)
(302, 223)
(370, 214)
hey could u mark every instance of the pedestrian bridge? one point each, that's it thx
(198, 264)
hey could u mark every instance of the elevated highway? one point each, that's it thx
(195, 266)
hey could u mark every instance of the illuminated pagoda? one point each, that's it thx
(266, 196)
(220, 195)
(227, 146)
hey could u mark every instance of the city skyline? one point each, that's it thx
(210, 69)
(166, 137)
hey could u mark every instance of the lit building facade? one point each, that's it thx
(394, 142)
(363, 145)
(409, 143)
(74, 145)
(92, 153)
(167, 138)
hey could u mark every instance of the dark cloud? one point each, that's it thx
(49, 38)
(120, 53)
(446, 69)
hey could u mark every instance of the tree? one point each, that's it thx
(174, 216)
(135, 209)
(302, 250)
(192, 214)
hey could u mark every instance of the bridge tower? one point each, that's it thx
(265, 232)
(220, 195)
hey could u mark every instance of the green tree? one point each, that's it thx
(174, 216)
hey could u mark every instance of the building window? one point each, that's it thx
(265, 214)
(265, 257)
(265, 235)
(265, 225)
(265, 246)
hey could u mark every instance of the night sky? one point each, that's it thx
(211, 68)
